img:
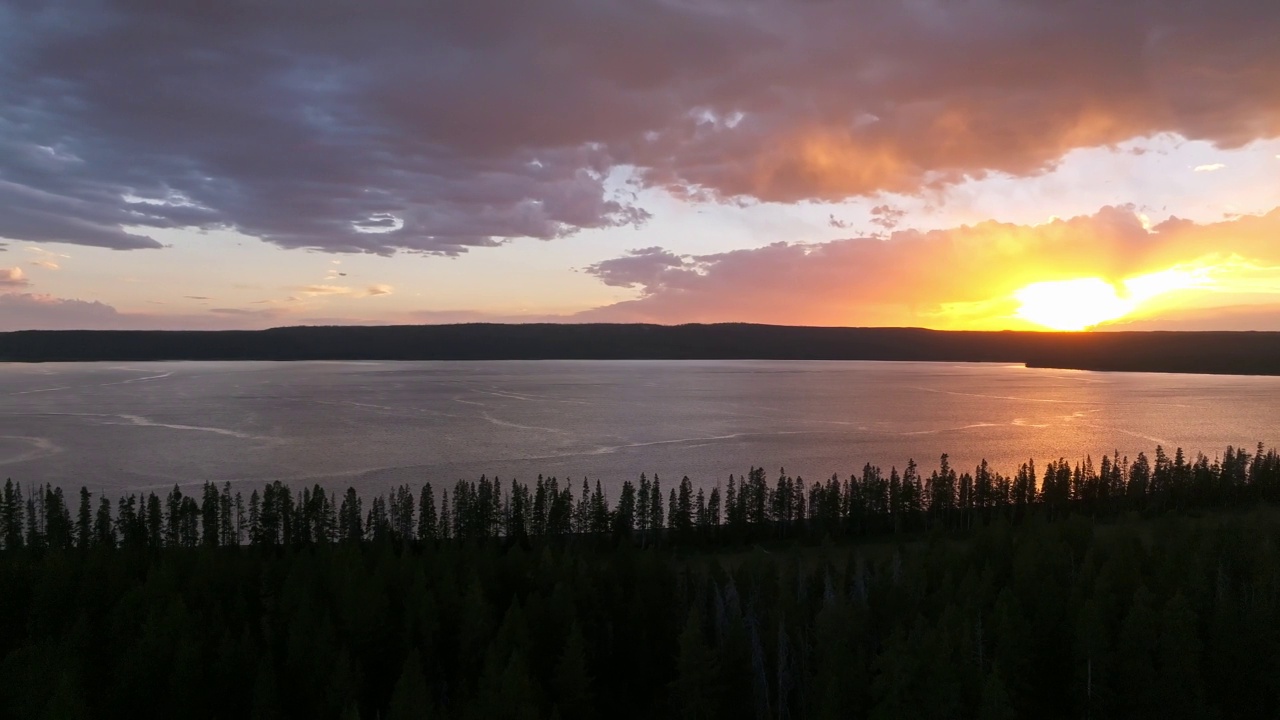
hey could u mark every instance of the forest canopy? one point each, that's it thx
(1130, 588)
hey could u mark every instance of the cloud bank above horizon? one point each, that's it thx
(236, 144)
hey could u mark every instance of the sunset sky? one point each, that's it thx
(967, 164)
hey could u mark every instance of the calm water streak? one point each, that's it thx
(372, 425)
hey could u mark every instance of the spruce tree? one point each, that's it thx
(427, 520)
(691, 693)
(571, 681)
(655, 507)
(624, 519)
(14, 511)
(84, 523)
(104, 531)
(410, 700)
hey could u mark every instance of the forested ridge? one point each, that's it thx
(1145, 587)
(1252, 353)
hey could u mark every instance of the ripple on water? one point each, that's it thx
(21, 448)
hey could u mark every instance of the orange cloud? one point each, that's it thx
(13, 278)
(965, 277)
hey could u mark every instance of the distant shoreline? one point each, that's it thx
(1219, 353)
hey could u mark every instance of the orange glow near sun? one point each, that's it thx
(1085, 302)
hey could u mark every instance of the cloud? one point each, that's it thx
(31, 311)
(647, 268)
(440, 127)
(13, 278)
(47, 259)
(27, 311)
(1230, 317)
(270, 314)
(314, 290)
(1212, 167)
(887, 216)
(343, 291)
(451, 317)
(959, 277)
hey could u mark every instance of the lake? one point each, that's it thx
(372, 425)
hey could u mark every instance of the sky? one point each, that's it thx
(952, 164)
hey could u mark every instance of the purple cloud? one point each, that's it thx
(438, 128)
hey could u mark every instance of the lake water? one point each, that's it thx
(119, 427)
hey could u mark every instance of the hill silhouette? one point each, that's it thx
(1254, 353)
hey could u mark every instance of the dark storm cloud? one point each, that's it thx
(438, 127)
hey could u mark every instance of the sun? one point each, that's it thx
(1085, 302)
(1071, 304)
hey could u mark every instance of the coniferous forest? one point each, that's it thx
(1234, 353)
(1127, 588)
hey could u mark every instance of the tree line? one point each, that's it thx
(1168, 617)
(1252, 353)
(750, 508)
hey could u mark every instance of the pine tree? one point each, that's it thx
(1178, 661)
(582, 510)
(701, 519)
(226, 517)
(210, 507)
(266, 698)
(350, 517)
(155, 521)
(713, 507)
(13, 515)
(599, 511)
(58, 529)
(84, 523)
(446, 516)
(104, 531)
(644, 505)
(540, 506)
(691, 691)
(173, 517)
(242, 521)
(731, 505)
(624, 519)
(995, 699)
(35, 516)
(673, 513)
(682, 507)
(571, 681)
(655, 507)
(410, 700)
(1137, 695)
(427, 520)
(67, 701)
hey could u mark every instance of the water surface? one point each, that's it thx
(371, 425)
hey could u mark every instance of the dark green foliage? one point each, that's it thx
(878, 595)
(1033, 621)
(571, 681)
(410, 700)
